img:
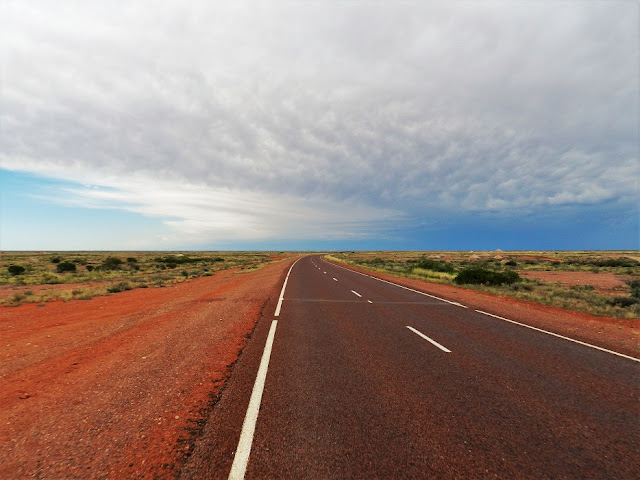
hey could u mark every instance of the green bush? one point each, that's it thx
(111, 263)
(89, 268)
(635, 288)
(119, 287)
(623, 301)
(131, 260)
(608, 262)
(436, 266)
(16, 269)
(617, 262)
(66, 267)
(55, 260)
(177, 260)
(376, 261)
(482, 276)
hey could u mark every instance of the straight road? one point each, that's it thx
(367, 379)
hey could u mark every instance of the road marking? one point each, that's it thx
(353, 291)
(402, 286)
(241, 458)
(560, 336)
(369, 301)
(444, 349)
(324, 273)
(335, 279)
(284, 285)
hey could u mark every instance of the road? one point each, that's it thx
(367, 379)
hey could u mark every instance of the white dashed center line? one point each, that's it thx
(356, 293)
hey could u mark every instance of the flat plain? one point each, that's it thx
(118, 365)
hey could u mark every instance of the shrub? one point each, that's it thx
(623, 301)
(635, 288)
(511, 263)
(131, 260)
(119, 287)
(55, 260)
(376, 261)
(482, 276)
(89, 268)
(434, 265)
(111, 263)
(16, 269)
(617, 262)
(176, 260)
(66, 267)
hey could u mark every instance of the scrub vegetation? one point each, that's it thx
(30, 277)
(563, 279)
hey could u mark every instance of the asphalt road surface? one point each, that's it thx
(367, 379)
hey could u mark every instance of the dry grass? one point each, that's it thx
(42, 283)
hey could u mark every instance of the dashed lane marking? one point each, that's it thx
(356, 293)
(402, 286)
(444, 349)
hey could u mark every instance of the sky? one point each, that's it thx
(319, 125)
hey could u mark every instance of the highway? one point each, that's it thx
(365, 379)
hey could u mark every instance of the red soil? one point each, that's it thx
(116, 386)
(620, 335)
(606, 283)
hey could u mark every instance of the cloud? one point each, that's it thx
(253, 118)
(200, 214)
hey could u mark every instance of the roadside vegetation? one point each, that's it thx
(502, 273)
(30, 277)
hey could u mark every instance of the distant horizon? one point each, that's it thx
(316, 251)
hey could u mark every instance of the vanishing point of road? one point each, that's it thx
(350, 376)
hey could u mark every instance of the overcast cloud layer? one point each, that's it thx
(319, 120)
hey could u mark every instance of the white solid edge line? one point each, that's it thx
(402, 286)
(284, 285)
(444, 349)
(353, 291)
(241, 459)
(560, 336)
